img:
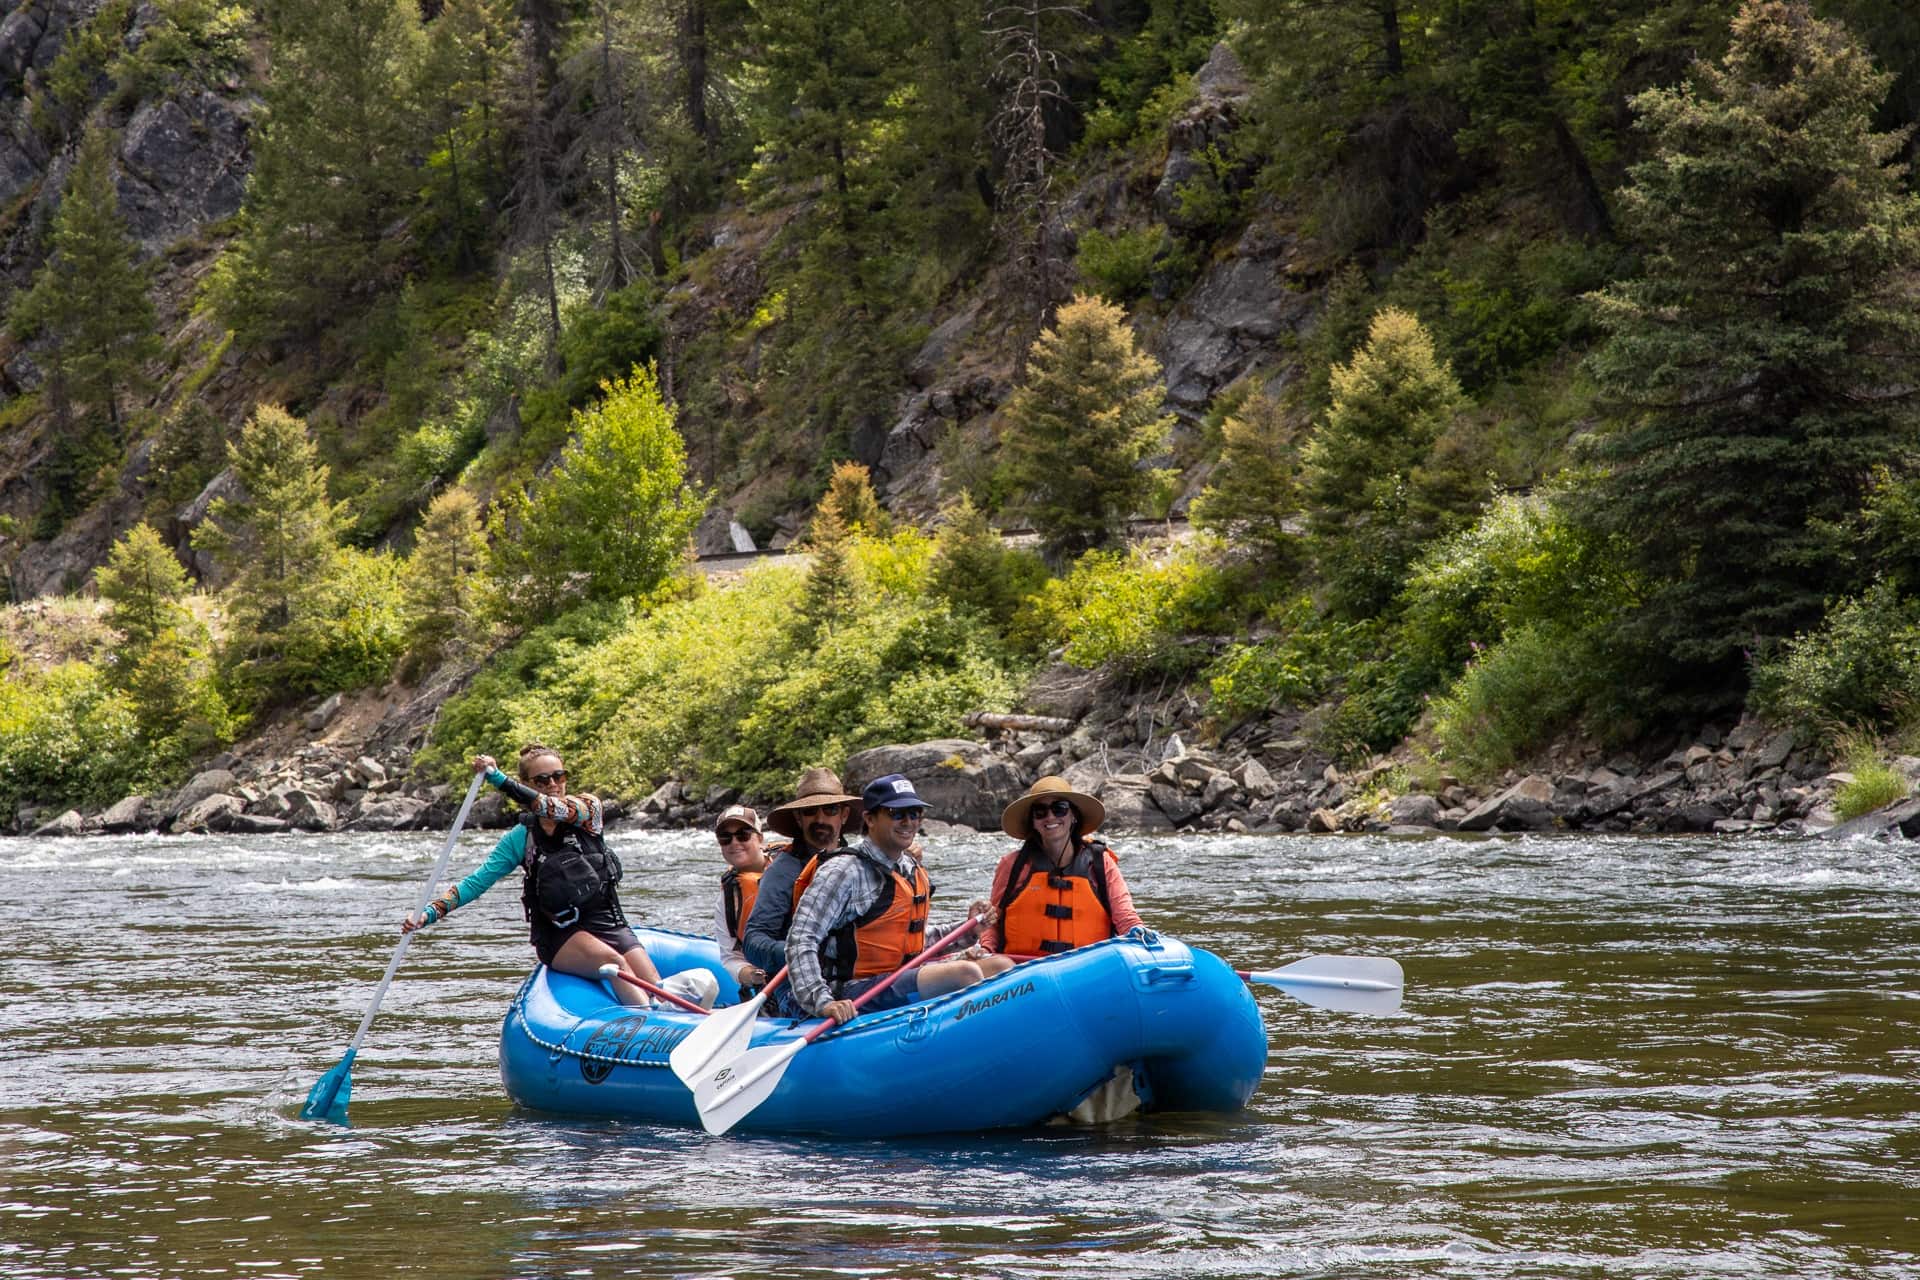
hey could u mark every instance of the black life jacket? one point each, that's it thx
(568, 872)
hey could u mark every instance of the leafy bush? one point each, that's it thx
(1119, 266)
(972, 569)
(66, 738)
(1876, 784)
(599, 345)
(1511, 699)
(1860, 667)
(1309, 656)
(355, 628)
(1132, 610)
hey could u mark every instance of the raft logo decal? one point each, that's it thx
(634, 1038)
(970, 1007)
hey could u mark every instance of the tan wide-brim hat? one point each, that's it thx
(1013, 820)
(817, 787)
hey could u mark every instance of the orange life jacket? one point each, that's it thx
(884, 936)
(1044, 911)
(739, 889)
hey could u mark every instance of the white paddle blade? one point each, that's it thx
(728, 1094)
(1347, 984)
(721, 1035)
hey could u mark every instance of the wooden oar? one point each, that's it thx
(611, 970)
(327, 1100)
(1347, 984)
(720, 1037)
(729, 1093)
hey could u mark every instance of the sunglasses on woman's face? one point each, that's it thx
(1058, 808)
(738, 833)
(542, 779)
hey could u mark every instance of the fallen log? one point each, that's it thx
(1017, 724)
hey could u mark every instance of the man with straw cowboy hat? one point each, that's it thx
(1061, 888)
(813, 823)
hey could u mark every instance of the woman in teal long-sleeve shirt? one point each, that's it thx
(573, 912)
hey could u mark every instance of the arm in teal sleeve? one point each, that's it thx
(506, 856)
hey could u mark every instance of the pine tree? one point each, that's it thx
(850, 496)
(1080, 427)
(280, 536)
(833, 584)
(1253, 497)
(144, 584)
(1391, 402)
(334, 156)
(443, 577)
(973, 569)
(613, 520)
(89, 301)
(162, 662)
(465, 73)
(1763, 362)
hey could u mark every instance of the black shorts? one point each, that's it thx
(608, 926)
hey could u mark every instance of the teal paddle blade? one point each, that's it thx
(327, 1100)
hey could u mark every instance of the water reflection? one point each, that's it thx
(1643, 1058)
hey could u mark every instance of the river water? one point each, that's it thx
(1621, 1057)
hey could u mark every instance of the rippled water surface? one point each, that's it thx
(1618, 1057)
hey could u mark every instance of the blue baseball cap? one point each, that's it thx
(891, 791)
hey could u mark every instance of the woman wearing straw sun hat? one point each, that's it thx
(1060, 889)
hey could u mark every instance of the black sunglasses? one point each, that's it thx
(813, 809)
(902, 815)
(738, 833)
(542, 779)
(1058, 808)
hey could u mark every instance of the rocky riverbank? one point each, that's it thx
(349, 768)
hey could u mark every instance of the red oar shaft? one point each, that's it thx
(661, 993)
(873, 992)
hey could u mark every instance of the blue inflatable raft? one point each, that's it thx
(1009, 1052)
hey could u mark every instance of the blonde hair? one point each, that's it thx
(533, 751)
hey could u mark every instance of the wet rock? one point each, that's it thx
(1901, 818)
(130, 814)
(961, 781)
(253, 824)
(309, 812)
(67, 824)
(1130, 806)
(1523, 806)
(202, 785)
(387, 813)
(203, 814)
(1414, 811)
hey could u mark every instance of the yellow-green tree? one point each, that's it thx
(612, 521)
(442, 578)
(1391, 402)
(1252, 498)
(163, 663)
(850, 495)
(1080, 428)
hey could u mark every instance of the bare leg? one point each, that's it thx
(948, 975)
(583, 954)
(993, 966)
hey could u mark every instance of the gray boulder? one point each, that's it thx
(130, 814)
(202, 785)
(1525, 806)
(206, 814)
(387, 813)
(1414, 811)
(322, 715)
(961, 781)
(67, 824)
(253, 824)
(308, 812)
(1130, 806)
(1901, 818)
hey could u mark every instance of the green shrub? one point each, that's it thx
(1512, 699)
(1860, 667)
(356, 628)
(1119, 266)
(972, 569)
(1133, 610)
(1309, 656)
(1876, 784)
(66, 738)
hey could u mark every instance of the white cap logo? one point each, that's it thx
(902, 785)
